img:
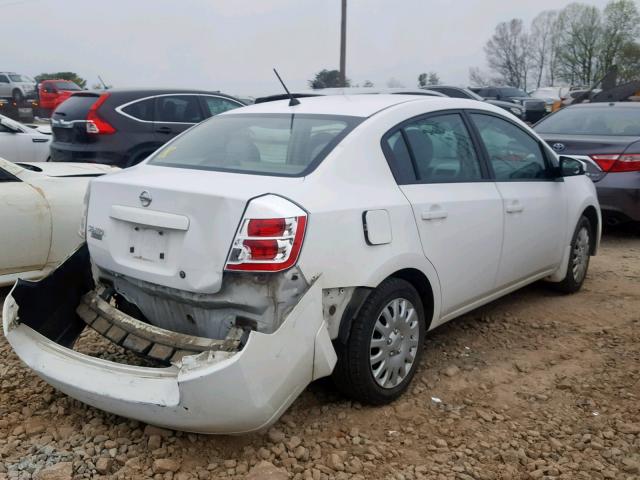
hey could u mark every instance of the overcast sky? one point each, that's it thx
(231, 45)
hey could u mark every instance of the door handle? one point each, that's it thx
(514, 206)
(163, 130)
(434, 214)
(39, 140)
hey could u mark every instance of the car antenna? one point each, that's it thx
(104, 85)
(292, 100)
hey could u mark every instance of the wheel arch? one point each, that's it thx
(421, 283)
(417, 278)
(143, 148)
(592, 215)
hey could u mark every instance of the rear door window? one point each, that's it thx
(7, 177)
(453, 93)
(141, 110)
(216, 105)
(442, 149)
(4, 79)
(178, 109)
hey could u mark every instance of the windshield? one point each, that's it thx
(513, 92)
(20, 78)
(473, 94)
(603, 120)
(7, 122)
(66, 86)
(271, 144)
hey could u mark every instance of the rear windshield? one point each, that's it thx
(592, 121)
(66, 86)
(75, 107)
(513, 92)
(268, 144)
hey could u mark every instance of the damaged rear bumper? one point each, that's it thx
(217, 391)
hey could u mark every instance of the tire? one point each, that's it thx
(17, 96)
(137, 158)
(354, 373)
(581, 247)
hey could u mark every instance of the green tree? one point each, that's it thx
(543, 45)
(581, 34)
(327, 79)
(629, 62)
(71, 76)
(620, 27)
(507, 53)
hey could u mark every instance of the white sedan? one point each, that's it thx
(23, 143)
(40, 214)
(290, 240)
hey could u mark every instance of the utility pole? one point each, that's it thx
(343, 45)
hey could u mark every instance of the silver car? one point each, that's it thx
(16, 87)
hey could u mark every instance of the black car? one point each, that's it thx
(459, 92)
(606, 137)
(122, 127)
(534, 108)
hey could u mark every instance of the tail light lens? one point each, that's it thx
(627, 162)
(95, 124)
(267, 244)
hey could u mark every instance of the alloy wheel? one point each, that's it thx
(394, 343)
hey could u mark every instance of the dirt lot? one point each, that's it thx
(536, 385)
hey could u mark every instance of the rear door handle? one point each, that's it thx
(434, 214)
(514, 206)
(39, 140)
(163, 130)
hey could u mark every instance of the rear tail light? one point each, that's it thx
(627, 162)
(267, 244)
(95, 124)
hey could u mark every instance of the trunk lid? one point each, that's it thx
(583, 146)
(181, 239)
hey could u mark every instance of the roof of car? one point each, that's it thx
(360, 105)
(158, 91)
(605, 104)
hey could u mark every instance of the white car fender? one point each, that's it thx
(414, 261)
(581, 194)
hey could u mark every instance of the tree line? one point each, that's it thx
(577, 45)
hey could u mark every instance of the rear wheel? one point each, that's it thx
(581, 246)
(136, 158)
(384, 347)
(17, 96)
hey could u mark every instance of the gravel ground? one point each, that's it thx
(536, 385)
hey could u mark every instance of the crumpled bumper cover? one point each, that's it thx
(214, 392)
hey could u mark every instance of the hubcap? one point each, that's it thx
(394, 343)
(580, 255)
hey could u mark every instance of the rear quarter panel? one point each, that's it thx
(65, 197)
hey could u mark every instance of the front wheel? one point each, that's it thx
(581, 246)
(384, 347)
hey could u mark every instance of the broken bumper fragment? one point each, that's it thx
(213, 388)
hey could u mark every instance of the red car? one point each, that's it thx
(53, 92)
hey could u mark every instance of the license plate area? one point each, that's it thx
(148, 244)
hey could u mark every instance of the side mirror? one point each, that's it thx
(571, 167)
